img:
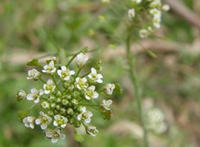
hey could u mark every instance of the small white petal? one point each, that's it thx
(36, 100)
(37, 121)
(43, 126)
(53, 140)
(29, 97)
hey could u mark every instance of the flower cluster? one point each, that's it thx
(155, 120)
(66, 96)
(149, 11)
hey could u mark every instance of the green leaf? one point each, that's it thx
(33, 62)
(106, 113)
(118, 90)
(152, 54)
(22, 115)
(78, 137)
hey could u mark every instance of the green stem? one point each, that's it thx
(74, 56)
(79, 70)
(43, 81)
(136, 89)
(54, 80)
(85, 74)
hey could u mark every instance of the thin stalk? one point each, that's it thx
(54, 80)
(136, 87)
(74, 56)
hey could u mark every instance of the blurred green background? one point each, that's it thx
(170, 77)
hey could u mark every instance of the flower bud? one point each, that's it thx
(45, 105)
(53, 105)
(58, 100)
(81, 59)
(63, 111)
(58, 107)
(70, 111)
(52, 98)
(76, 94)
(74, 101)
(58, 94)
(165, 7)
(50, 113)
(65, 102)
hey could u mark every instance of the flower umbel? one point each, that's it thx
(66, 96)
(148, 15)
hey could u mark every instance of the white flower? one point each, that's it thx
(81, 59)
(49, 68)
(45, 105)
(34, 95)
(156, 23)
(106, 104)
(21, 94)
(155, 12)
(85, 115)
(105, 1)
(29, 122)
(90, 93)
(92, 130)
(131, 13)
(165, 7)
(33, 74)
(44, 120)
(137, 1)
(49, 87)
(49, 59)
(54, 135)
(95, 77)
(155, 120)
(81, 83)
(155, 3)
(150, 29)
(60, 121)
(65, 73)
(143, 33)
(109, 88)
